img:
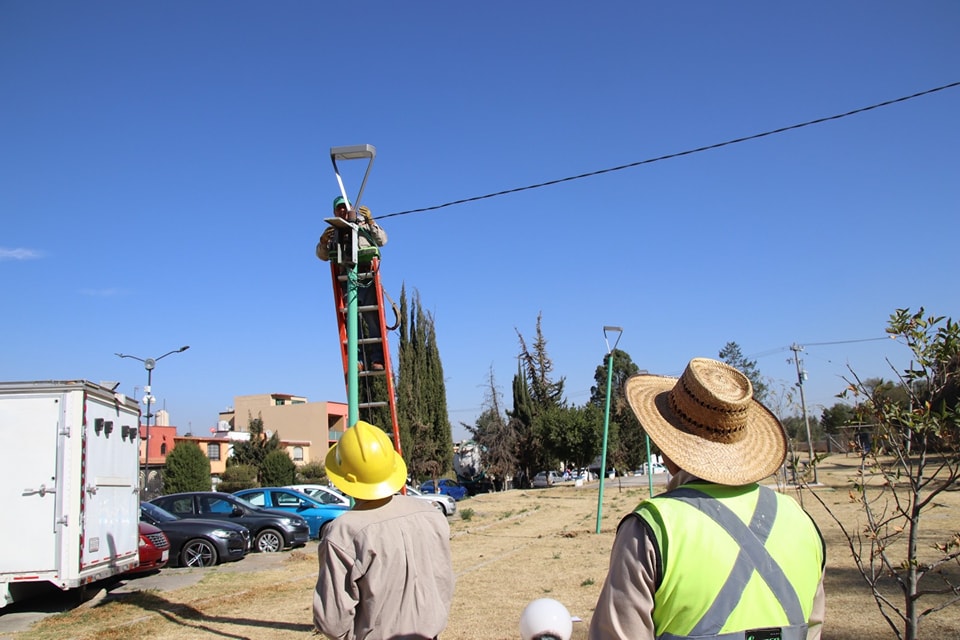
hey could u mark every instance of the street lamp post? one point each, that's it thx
(149, 364)
(606, 415)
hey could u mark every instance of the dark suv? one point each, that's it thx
(271, 530)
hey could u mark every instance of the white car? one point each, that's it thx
(443, 502)
(329, 495)
(321, 493)
(546, 479)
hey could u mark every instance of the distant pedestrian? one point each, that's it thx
(385, 566)
(717, 555)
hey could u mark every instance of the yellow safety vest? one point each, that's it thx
(737, 563)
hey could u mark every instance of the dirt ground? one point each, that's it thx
(508, 549)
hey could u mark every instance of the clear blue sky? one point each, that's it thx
(165, 172)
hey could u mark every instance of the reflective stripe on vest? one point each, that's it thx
(753, 556)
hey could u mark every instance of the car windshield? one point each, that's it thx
(155, 512)
(413, 491)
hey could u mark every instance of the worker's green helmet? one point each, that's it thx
(339, 200)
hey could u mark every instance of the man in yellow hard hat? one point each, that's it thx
(385, 565)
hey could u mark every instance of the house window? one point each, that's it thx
(163, 449)
(298, 454)
(213, 451)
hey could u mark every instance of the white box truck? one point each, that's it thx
(69, 485)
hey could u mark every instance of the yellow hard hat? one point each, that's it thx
(364, 464)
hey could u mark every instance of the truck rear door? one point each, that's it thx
(29, 427)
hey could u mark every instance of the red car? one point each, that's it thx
(154, 549)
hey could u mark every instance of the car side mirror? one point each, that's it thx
(237, 511)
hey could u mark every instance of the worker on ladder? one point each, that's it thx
(370, 236)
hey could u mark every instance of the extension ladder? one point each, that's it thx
(368, 275)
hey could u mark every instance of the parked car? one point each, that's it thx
(313, 511)
(154, 549)
(272, 530)
(655, 467)
(546, 479)
(445, 486)
(195, 542)
(443, 502)
(321, 493)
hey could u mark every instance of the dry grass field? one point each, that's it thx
(516, 546)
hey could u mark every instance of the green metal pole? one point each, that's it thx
(649, 466)
(606, 428)
(353, 379)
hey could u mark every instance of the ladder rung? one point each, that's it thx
(343, 310)
(371, 405)
(360, 276)
(367, 374)
(366, 341)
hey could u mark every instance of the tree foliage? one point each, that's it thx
(571, 434)
(254, 451)
(537, 367)
(494, 437)
(918, 457)
(312, 473)
(425, 433)
(626, 440)
(238, 476)
(187, 469)
(732, 355)
(278, 469)
(534, 392)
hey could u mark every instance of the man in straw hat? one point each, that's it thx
(385, 565)
(717, 555)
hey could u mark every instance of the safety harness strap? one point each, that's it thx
(753, 556)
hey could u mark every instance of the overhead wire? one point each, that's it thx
(678, 154)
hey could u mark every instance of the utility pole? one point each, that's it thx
(801, 375)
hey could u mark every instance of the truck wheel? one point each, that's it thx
(198, 553)
(269, 541)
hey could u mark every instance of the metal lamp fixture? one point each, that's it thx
(149, 364)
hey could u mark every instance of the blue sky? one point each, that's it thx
(165, 173)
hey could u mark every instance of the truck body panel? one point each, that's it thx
(69, 484)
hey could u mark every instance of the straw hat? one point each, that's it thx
(708, 423)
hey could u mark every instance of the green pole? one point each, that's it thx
(353, 379)
(606, 428)
(649, 466)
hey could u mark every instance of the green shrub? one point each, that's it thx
(238, 476)
(278, 469)
(312, 473)
(187, 469)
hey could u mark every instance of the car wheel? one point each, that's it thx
(440, 508)
(269, 541)
(198, 553)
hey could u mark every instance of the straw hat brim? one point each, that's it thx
(757, 455)
(364, 490)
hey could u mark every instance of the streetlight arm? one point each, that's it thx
(180, 350)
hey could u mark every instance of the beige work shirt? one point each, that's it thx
(385, 572)
(625, 606)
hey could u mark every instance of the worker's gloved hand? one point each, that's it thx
(327, 236)
(367, 216)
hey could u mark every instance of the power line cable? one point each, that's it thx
(815, 344)
(670, 156)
